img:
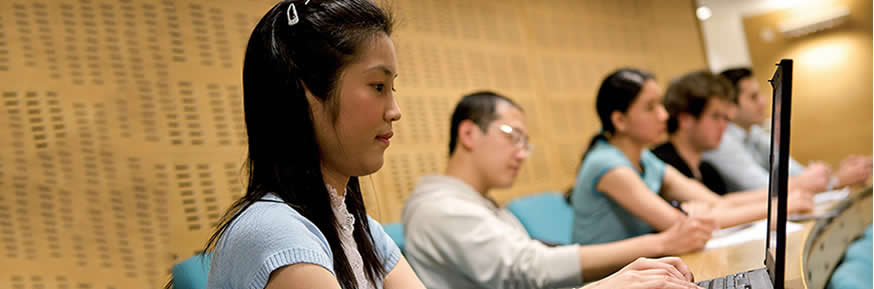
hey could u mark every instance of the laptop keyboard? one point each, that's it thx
(736, 281)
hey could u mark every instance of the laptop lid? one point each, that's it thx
(775, 243)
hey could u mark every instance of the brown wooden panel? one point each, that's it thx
(832, 93)
(121, 122)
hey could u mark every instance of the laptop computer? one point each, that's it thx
(773, 275)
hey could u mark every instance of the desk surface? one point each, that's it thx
(712, 263)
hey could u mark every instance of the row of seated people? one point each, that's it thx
(318, 83)
(456, 236)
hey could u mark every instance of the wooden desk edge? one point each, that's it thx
(859, 200)
(713, 263)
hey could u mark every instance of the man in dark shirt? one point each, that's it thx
(700, 105)
(708, 174)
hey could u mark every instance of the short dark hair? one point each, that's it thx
(691, 92)
(734, 76)
(479, 107)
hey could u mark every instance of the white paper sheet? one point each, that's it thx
(744, 233)
(831, 196)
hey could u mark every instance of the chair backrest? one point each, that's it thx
(396, 232)
(854, 272)
(192, 272)
(546, 216)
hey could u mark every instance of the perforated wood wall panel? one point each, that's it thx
(121, 127)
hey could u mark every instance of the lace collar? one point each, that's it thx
(338, 204)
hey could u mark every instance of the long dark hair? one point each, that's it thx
(282, 61)
(617, 92)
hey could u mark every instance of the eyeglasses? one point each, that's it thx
(518, 139)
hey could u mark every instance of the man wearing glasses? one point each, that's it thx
(458, 237)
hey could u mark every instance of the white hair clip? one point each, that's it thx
(292, 20)
(633, 77)
(291, 9)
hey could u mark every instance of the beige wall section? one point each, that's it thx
(548, 56)
(832, 94)
(121, 133)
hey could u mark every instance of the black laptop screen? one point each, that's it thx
(780, 119)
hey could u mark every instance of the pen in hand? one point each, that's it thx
(676, 205)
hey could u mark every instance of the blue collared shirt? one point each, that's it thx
(743, 158)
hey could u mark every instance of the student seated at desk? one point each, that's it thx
(621, 187)
(302, 222)
(699, 106)
(742, 157)
(458, 237)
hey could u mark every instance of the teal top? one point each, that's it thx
(597, 217)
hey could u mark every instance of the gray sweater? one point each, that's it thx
(456, 238)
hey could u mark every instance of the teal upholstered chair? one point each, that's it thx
(854, 272)
(396, 232)
(192, 272)
(546, 216)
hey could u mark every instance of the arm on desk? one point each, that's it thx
(602, 259)
(732, 209)
(854, 170)
(679, 233)
(623, 185)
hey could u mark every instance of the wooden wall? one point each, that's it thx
(121, 133)
(832, 93)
